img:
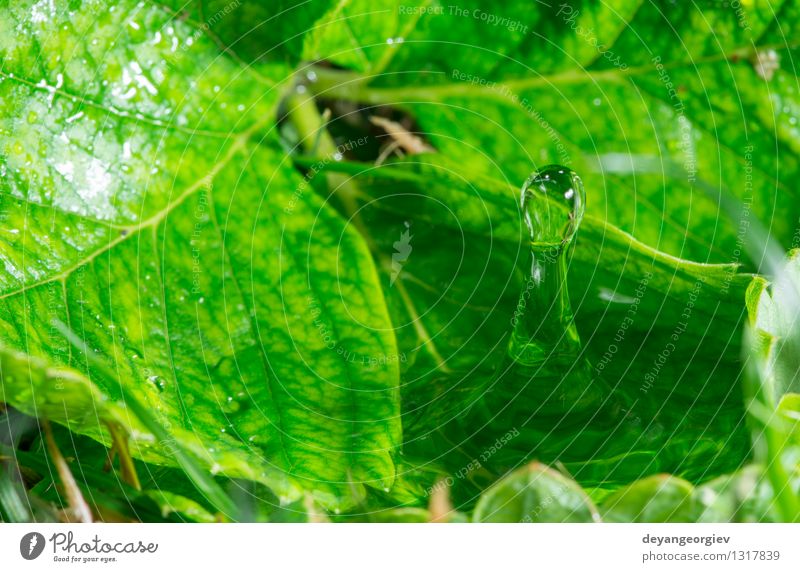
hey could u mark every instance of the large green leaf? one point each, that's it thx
(454, 301)
(148, 208)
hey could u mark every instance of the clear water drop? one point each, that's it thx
(553, 202)
(545, 354)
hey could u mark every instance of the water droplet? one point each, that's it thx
(553, 202)
(231, 405)
(75, 117)
(545, 354)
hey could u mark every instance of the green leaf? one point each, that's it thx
(108, 496)
(744, 496)
(171, 503)
(431, 37)
(535, 494)
(774, 310)
(409, 515)
(457, 294)
(660, 498)
(149, 209)
(789, 407)
(254, 32)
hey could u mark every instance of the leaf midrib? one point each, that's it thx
(350, 85)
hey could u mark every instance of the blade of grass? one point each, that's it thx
(13, 501)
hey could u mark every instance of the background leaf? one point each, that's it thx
(654, 499)
(535, 494)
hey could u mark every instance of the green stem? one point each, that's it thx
(309, 123)
(351, 86)
(315, 138)
(785, 496)
(120, 443)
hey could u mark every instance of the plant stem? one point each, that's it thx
(351, 86)
(77, 504)
(315, 139)
(120, 441)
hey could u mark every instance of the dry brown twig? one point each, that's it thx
(78, 509)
